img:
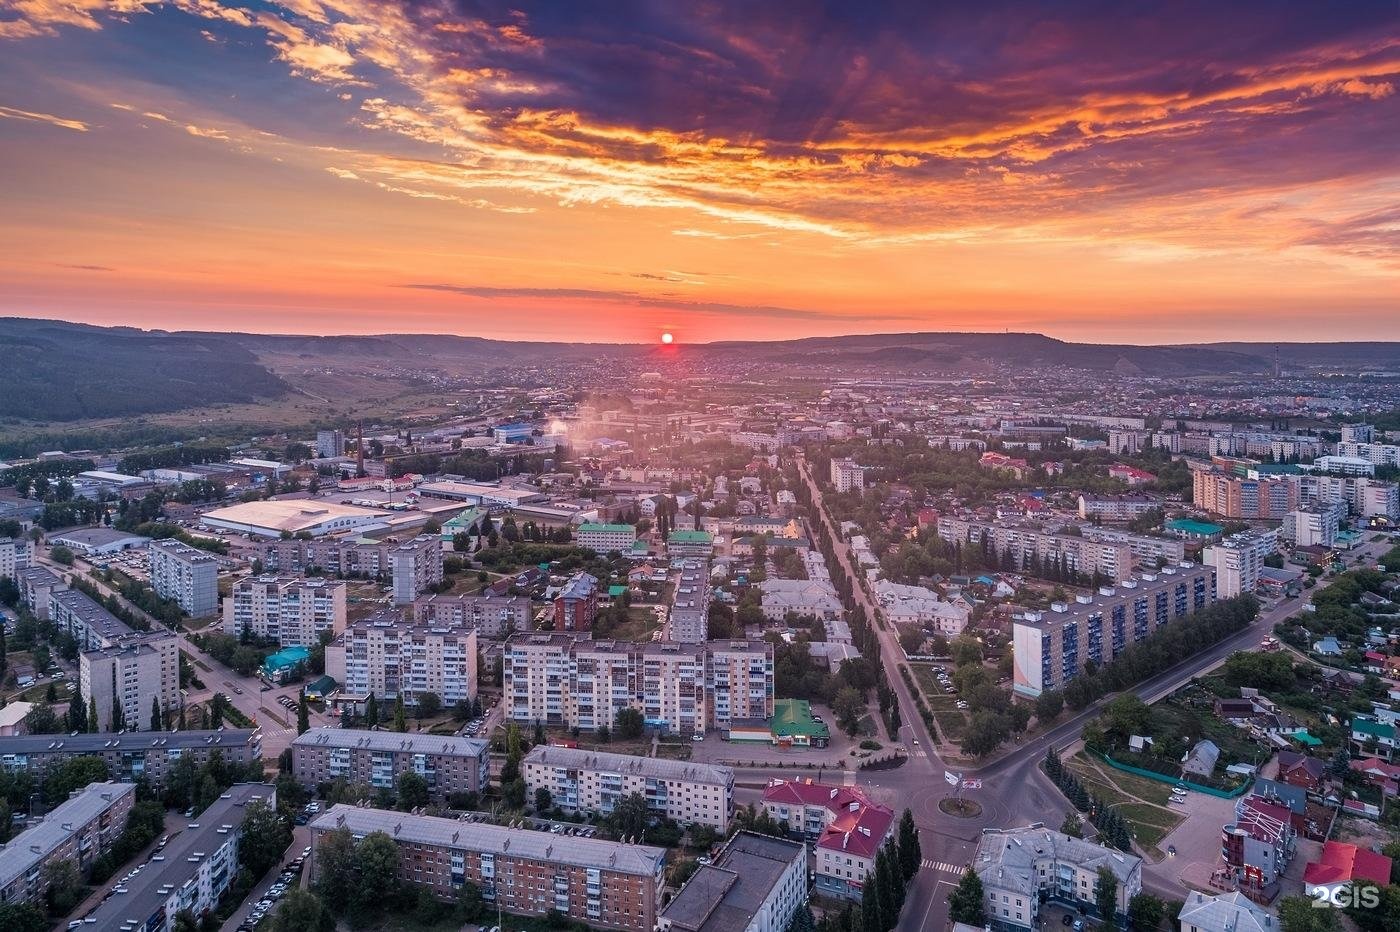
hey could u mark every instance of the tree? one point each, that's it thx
(92, 724)
(371, 711)
(65, 886)
(77, 712)
(965, 902)
(1145, 912)
(376, 873)
(62, 554)
(413, 790)
(1073, 826)
(400, 722)
(539, 737)
(1300, 914)
(22, 917)
(910, 850)
(335, 862)
(1106, 894)
(302, 911)
(543, 799)
(1049, 705)
(72, 774)
(266, 835)
(630, 817)
(429, 704)
(1125, 715)
(156, 723)
(513, 793)
(629, 723)
(303, 714)
(849, 706)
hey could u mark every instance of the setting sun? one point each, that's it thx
(667, 338)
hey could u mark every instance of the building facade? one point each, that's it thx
(449, 764)
(79, 830)
(845, 828)
(605, 884)
(383, 655)
(606, 538)
(415, 566)
(1022, 869)
(490, 616)
(129, 679)
(576, 605)
(186, 574)
(292, 611)
(1031, 549)
(1238, 559)
(847, 475)
(147, 755)
(756, 884)
(14, 555)
(581, 780)
(689, 619)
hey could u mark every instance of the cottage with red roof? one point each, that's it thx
(846, 829)
(1380, 774)
(1300, 770)
(1342, 863)
(1131, 474)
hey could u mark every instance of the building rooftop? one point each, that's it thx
(591, 528)
(661, 768)
(639, 860)
(1090, 604)
(419, 743)
(127, 741)
(292, 515)
(1006, 858)
(726, 895)
(100, 621)
(690, 537)
(1225, 912)
(858, 824)
(794, 717)
(29, 848)
(95, 536)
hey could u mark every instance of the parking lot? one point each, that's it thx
(288, 878)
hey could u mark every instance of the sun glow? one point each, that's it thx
(667, 338)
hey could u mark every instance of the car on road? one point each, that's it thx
(1079, 925)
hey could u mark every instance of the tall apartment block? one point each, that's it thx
(689, 618)
(199, 864)
(14, 555)
(36, 584)
(449, 764)
(186, 574)
(1051, 648)
(847, 475)
(79, 830)
(415, 565)
(490, 616)
(576, 605)
(605, 884)
(147, 755)
(681, 688)
(1238, 559)
(290, 610)
(330, 443)
(1265, 498)
(126, 679)
(579, 780)
(1030, 547)
(385, 656)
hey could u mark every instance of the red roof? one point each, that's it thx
(857, 825)
(1341, 862)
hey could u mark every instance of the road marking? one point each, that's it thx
(942, 867)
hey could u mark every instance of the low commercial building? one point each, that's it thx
(97, 541)
(78, 830)
(130, 679)
(385, 656)
(844, 826)
(415, 566)
(186, 574)
(606, 884)
(1258, 846)
(290, 610)
(607, 538)
(199, 864)
(1051, 648)
(1022, 869)
(581, 780)
(489, 615)
(274, 517)
(147, 755)
(449, 764)
(756, 884)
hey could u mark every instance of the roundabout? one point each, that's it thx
(959, 807)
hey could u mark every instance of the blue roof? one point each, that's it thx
(514, 427)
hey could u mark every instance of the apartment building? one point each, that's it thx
(1116, 507)
(757, 883)
(1051, 648)
(606, 538)
(198, 865)
(146, 755)
(690, 544)
(1313, 526)
(78, 830)
(91, 625)
(292, 611)
(1379, 454)
(127, 680)
(1023, 868)
(1224, 912)
(386, 656)
(415, 566)
(36, 584)
(1266, 498)
(489, 615)
(1362, 496)
(844, 826)
(559, 680)
(847, 475)
(449, 764)
(14, 555)
(689, 619)
(606, 884)
(580, 780)
(1147, 549)
(186, 574)
(1031, 549)
(330, 443)
(1238, 559)
(576, 605)
(347, 556)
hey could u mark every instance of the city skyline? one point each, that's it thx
(339, 166)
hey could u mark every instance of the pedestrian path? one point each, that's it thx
(942, 867)
(917, 752)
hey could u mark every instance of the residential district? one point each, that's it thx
(718, 654)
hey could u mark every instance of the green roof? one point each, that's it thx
(1192, 526)
(615, 591)
(286, 657)
(321, 685)
(793, 717)
(691, 537)
(1375, 729)
(1302, 737)
(608, 528)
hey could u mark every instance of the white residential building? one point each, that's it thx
(605, 538)
(1022, 868)
(1238, 559)
(125, 681)
(847, 475)
(580, 780)
(756, 884)
(1379, 454)
(290, 610)
(917, 605)
(386, 656)
(1224, 912)
(415, 565)
(1314, 526)
(490, 616)
(801, 597)
(186, 574)
(14, 555)
(330, 443)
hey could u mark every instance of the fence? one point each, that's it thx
(1163, 778)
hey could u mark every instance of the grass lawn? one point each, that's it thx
(951, 723)
(641, 623)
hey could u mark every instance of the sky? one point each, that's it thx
(1152, 173)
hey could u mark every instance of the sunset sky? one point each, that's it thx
(718, 170)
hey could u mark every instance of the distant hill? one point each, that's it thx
(56, 371)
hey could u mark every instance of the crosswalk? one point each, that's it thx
(943, 867)
(917, 752)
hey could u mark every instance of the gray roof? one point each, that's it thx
(34, 844)
(1227, 912)
(96, 536)
(725, 895)
(657, 767)
(94, 616)
(201, 836)
(37, 574)
(1006, 858)
(131, 741)
(639, 860)
(392, 741)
